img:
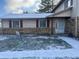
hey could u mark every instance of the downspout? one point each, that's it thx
(76, 19)
(76, 27)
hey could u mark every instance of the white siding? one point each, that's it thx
(5, 24)
(75, 10)
(64, 14)
(55, 2)
(29, 23)
(60, 8)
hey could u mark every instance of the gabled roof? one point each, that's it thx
(61, 1)
(40, 15)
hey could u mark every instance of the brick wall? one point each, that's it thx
(27, 31)
(70, 26)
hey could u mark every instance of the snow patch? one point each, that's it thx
(40, 37)
(3, 37)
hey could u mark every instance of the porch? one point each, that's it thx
(60, 25)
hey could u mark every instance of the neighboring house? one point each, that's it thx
(66, 17)
(26, 23)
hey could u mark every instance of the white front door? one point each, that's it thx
(59, 26)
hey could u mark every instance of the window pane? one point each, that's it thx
(71, 2)
(68, 3)
(42, 23)
(15, 24)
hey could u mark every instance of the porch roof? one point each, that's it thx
(26, 16)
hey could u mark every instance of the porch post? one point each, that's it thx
(76, 26)
(51, 25)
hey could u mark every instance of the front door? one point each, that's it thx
(59, 26)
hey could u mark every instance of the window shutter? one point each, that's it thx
(71, 2)
(37, 23)
(21, 23)
(10, 24)
(48, 23)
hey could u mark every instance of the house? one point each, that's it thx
(25, 23)
(55, 2)
(66, 17)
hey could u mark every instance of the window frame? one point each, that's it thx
(68, 3)
(13, 24)
(40, 23)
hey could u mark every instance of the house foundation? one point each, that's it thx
(26, 31)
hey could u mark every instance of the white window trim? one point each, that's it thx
(12, 23)
(69, 3)
(40, 26)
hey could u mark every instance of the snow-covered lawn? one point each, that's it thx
(46, 54)
(3, 37)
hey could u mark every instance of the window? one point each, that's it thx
(42, 23)
(68, 3)
(71, 2)
(16, 24)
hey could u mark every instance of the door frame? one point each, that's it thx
(59, 26)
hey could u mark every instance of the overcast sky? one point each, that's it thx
(18, 6)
